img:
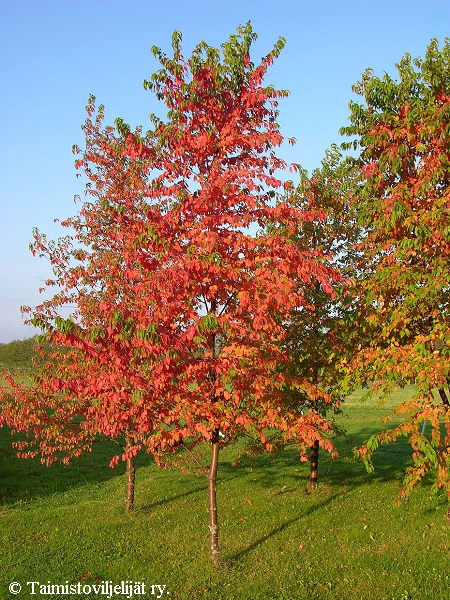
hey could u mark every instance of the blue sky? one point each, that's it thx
(54, 53)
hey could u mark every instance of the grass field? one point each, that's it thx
(350, 539)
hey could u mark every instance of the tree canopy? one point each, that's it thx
(180, 304)
(402, 131)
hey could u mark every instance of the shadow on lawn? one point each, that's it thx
(190, 492)
(285, 468)
(311, 509)
(341, 476)
(23, 480)
(166, 500)
(390, 461)
(27, 479)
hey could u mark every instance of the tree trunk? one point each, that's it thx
(212, 501)
(131, 477)
(314, 465)
(444, 397)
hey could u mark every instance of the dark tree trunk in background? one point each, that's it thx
(444, 397)
(314, 465)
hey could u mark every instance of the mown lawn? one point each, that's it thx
(350, 539)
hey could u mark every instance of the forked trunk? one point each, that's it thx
(314, 465)
(212, 501)
(130, 475)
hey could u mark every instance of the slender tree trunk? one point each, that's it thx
(314, 465)
(445, 401)
(212, 500)
(213, 467)
(131, 477)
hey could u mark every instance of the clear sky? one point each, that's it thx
(54, 53)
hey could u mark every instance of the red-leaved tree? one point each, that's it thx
(94, 377)
(178, 297)
(230, 290)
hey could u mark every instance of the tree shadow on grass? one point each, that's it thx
(27, 479)
(390, 461)
(166, 500)
(285, 469)
(23, 480)
(341, 476)
(190, 492)
(273, 532)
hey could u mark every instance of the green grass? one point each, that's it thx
(350, 539)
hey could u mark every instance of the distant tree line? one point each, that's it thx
(17, 355)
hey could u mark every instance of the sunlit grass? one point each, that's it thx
(350, 539)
